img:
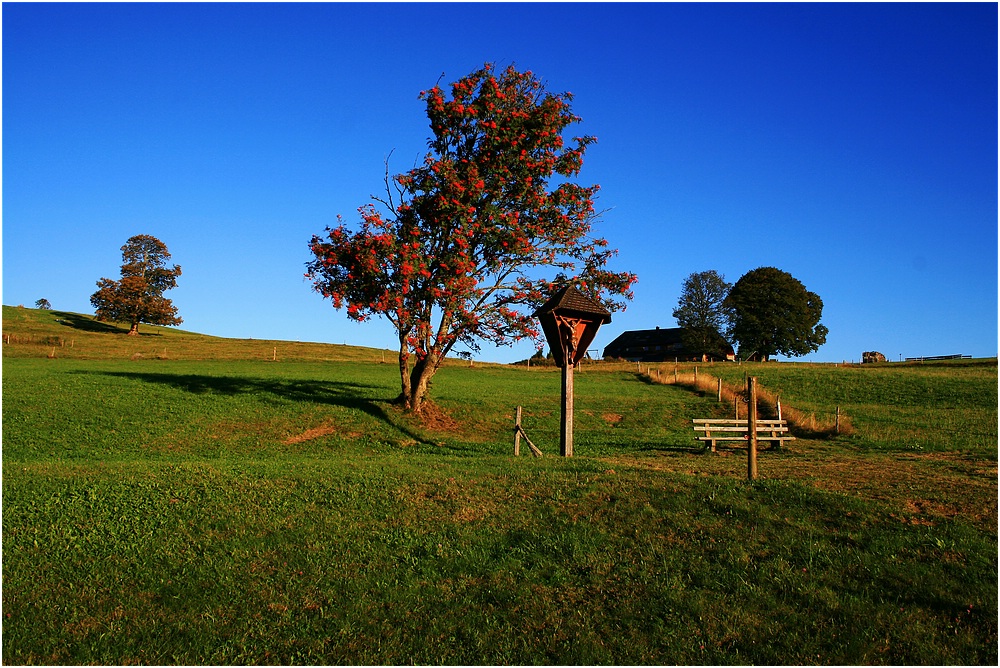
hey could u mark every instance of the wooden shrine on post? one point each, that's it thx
(570, 321)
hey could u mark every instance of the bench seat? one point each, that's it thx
(722, 429)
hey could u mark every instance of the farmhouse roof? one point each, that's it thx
(648, 337)
(652, 345)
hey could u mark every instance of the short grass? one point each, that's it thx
(250, 511)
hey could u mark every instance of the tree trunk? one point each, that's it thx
(404, 373)
(415, 383)
(419, 380)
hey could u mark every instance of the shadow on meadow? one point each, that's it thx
(85, 324)
(352, 396)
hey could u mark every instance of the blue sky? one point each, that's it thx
(851, 145)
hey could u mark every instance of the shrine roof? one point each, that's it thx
(570, 301)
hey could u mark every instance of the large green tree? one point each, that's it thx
(137, 297)
(467, 245)
(703, 314)
(773, 313)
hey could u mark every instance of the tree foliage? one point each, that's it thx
(773, 313)
(137, 297)
(703, 314)
(457, 250)
(43, 304)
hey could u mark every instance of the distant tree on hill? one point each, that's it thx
(703, 314)
(459, 254)
(138, 296)
(43, 304)
(773, 313)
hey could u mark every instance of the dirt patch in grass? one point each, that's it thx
(433, 417)
(312, 434)
(612, 418)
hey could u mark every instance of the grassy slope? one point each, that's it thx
(242, 511)
(38, 333)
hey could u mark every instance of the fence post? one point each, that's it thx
(752, 428)
(720, 390)
(837, 428)
(517, 432)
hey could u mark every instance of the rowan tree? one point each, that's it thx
(463, 248)
(773, 313)
(137, 297)
(703, 314)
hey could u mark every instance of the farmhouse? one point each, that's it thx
(657, 345)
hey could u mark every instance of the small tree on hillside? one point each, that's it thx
(138, 296)
(774, 313)
(703, 313)
(456, 255)
(43, 304)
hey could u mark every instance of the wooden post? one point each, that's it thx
(736, 403)
(752, 428)
(274, 354)
(778, 401)
(517, 432)
(566, 428)
(838, 420)
(675, 373)
(720, 390)
(696, 377)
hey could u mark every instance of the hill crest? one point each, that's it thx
(29, 332)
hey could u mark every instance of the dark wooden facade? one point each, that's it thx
(656, 345)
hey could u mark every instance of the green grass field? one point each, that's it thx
(210, 505)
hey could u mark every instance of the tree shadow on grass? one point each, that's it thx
(85, 324)
(332, 393)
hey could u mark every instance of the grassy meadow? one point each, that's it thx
(182, 499)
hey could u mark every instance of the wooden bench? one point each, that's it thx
(722, 429)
